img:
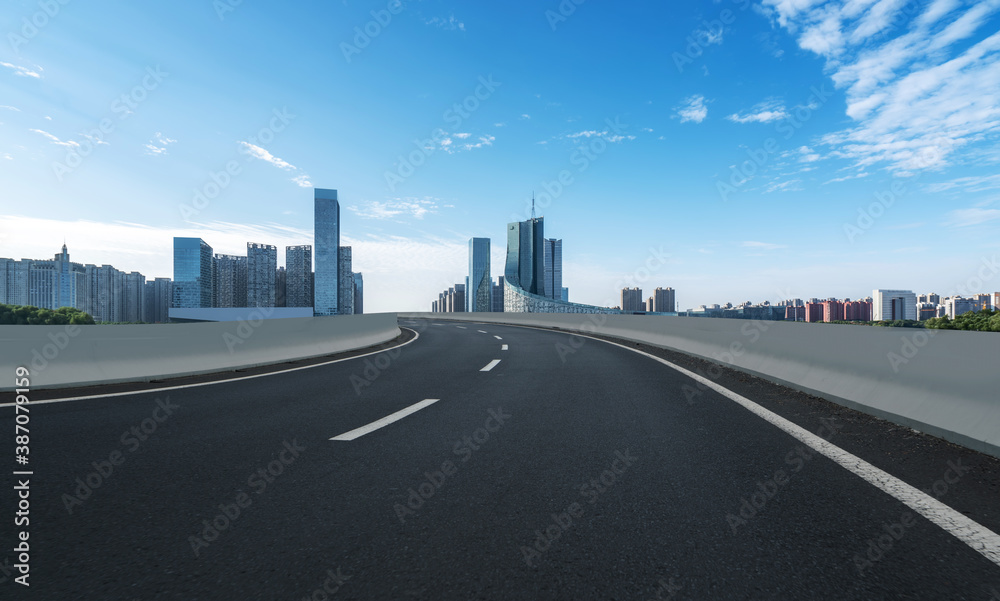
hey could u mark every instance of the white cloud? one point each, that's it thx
(260, 153)
(10, 108)
(22, 71)
(55, 140)
(793, 185)
(974, 216)
(416, 208)
(772, 109)
(158, 145)
(693, 109)
(921, 80)
(302, 181)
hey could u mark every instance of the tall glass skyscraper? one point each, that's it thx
(553, 268)
(480, 286)
(526, 255)
(193, 277)
(359, 294)
(327, 245)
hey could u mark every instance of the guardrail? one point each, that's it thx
(941, 382)
(64, 356)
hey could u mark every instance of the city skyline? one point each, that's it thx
(654, 153)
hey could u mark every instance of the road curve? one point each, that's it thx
(488, 462)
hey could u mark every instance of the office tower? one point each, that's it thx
(553, 268)
(345, 294)
(230, 281)
(496, 303)
(565, 294)
(458, 305)
(280, 287)
(632, 299)
(327, 244)
(193, 278)
(480, 282)
(664, 300)
(526, 255)
(298, 273)
(157, 301)
(262, 265)
(894, 304)
(359, 294)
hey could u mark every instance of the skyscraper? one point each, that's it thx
(157, 301)
(526, 255)
(345, 293)
(193, 277)
(498, 296)
(327, 244)
(230, 281)
(553, 268)
(298, 272)
(262, 263)
(480, 287)
(359, 294)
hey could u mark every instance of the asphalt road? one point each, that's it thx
(571, 469)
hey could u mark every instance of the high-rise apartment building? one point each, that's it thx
(298, 276)
(230, 281)
(280, 287)
(262, 265)
(327, 245)
(193, 276)
(345, 293)
(553, 268)
(157, 302)
(632, 299)
(890, 305)
(480, 282)
(664, 300)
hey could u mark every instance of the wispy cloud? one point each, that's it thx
(772, 109)
(55, 140)
(23, 71)
(10, 108)
(922, 86)
(605, 134)
(973, 216)
(158, 145)
(416, 208)
(793, 185)
(692, 109)
(450, 24)
(301, 179)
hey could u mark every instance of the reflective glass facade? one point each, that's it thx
(327, 249)
(193, 274)
(480, 286)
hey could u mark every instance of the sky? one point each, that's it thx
(736, 151)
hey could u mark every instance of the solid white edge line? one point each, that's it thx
(491, 365)
(975, 535)
(385, 421)
(503, 348)
(978, 537)
(196, 385)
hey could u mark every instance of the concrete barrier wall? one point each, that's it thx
(63, 356)
(940, 382)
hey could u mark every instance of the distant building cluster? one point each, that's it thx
(203, 280)
(934, 305)
(662, 301)
(105, 293)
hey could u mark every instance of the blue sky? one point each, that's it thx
(771, 148)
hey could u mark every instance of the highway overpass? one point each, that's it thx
(467, 460)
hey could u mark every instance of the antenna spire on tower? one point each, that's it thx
(532, 204)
